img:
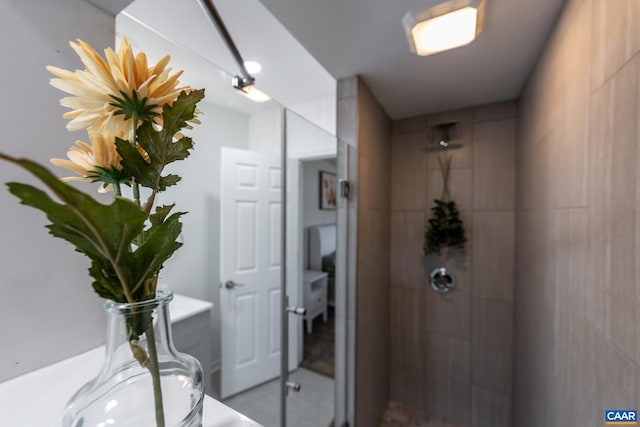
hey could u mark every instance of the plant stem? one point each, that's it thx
(154, 368)
(116, 189)
(134, 128)
(444, 171)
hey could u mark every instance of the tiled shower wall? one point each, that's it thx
(363, 236)
(372, 327)
(452, 356)
(578, 243)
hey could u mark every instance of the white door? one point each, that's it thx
(250, 257)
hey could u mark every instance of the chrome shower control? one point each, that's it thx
(442, 281)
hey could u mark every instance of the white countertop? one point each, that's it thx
(37, 399)
(182, 307)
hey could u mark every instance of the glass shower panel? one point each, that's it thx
(311, 244)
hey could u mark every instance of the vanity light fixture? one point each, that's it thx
(445, 26)
(249, 90)
(253, 67)
(243, 82)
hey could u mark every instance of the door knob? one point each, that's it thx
(297, 310)
(230, 284)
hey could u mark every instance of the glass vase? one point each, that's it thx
(128, 389)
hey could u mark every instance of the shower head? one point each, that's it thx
(445, 133)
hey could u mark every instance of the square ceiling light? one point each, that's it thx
(445, 26)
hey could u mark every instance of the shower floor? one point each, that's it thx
(400, 415)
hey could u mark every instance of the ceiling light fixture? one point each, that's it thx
(445, 26)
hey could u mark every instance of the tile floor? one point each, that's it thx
(401, 415)
(312, 406)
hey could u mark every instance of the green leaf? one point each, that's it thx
(161, 213)
(103, 229)
(104, 233)
(160, 243)
(160, 144)
(106, 283)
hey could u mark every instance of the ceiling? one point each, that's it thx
(305, 45)
(289, 73)
(366, 38)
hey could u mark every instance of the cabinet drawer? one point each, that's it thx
(316, 300)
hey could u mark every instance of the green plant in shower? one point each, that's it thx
(445, 229)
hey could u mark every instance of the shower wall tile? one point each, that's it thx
(449, 314)
(374, 347)
(460, 184)
(409, 269)
(453, 332)
(396, 247)
(578, 233)
(409, 126)
(623, 207)
(613, 38)
(597, 294)
(375, 181)
(493, 264)
(447, 378)
(353, 174)
(494, 165)
(347, 120)
(632, 36)
(347, 88)
(408, 171)
(490, 409)
(492, 345)
(570, 165)
(352, 265)
(637, 243)
(572, 263)
(407, 386)
(407, 326)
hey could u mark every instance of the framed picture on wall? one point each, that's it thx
(328, 190)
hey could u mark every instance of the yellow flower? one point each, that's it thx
(121, 75)
(85, 159)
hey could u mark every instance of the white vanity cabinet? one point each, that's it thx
(38, 398)
(191, 326)
(315, 296)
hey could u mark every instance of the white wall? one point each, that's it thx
(265, 132)
(311, 212)
(195, 269)
(48, 310)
